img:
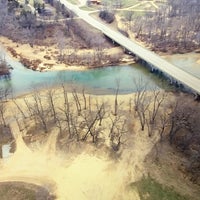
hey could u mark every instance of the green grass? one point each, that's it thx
(128, 3)
(146, 6)
(149, 189)
(125, 3)
(86, 8)
(74, 1)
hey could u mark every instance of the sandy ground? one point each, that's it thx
(44, 53)
(85, 173)
(38, 52)
(82, 176)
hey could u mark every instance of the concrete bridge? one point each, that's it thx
(169, 70)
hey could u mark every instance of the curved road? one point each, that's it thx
(167, 68)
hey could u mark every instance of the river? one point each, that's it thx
(97, 81)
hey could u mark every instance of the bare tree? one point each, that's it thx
(4, 92)
(19, 108)
(39, 110)
(60, 38)
(28, 105)
(77, 101)
(117, 130)
(163, 122)
(91, 121)
(141, 111)
(76, 127)
(2, 113)
(116, 97)
(102, 112)
(50, 97)
(84, 99)
(128, 15)
(181, 113)
(141, 88)
(98, 47)
(141, 101)
(66, 110)
(158, 97)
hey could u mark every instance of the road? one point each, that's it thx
(167, 68)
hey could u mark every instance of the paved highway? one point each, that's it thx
(167, 68)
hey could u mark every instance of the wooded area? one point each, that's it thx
(64, 31)
(174, 27)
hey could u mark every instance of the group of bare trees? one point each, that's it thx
(25, 27)
(175, 26)
(88, 38)
(5, 133)
(174, 119)
(184, 120)
(82, 118)
(147, 106)
(77, 116)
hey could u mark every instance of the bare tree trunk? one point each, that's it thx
(84, 98)
(39, 111)
(116, 99)
(2, 113)
(77, 101)
(89, 104)
(50, 95)
(158, 98)
(28, 107)
(19, 108)
(67, 109)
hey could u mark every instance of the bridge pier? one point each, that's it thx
(197, 97)
(153, 70)
(178, 85)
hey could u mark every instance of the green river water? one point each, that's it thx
(97, 81)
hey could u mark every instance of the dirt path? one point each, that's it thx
(72, 177)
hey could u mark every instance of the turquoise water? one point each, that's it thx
(99, 80)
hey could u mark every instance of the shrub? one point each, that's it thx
(107, 16)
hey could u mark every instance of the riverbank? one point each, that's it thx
(37, 55)
(45, 58)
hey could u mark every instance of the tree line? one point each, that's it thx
(174, 26)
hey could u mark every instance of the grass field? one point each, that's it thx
(74, 1)
(149, 189)
(128, 3)
(125, 3)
